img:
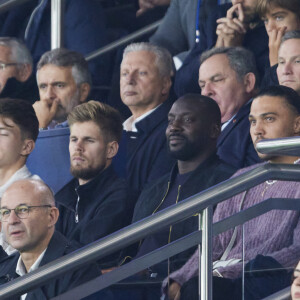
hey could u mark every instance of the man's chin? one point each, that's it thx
(84, 173)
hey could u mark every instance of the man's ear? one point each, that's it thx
(112, 149)
(28, 147)
(167, 82)
(215, 131)
(249, 82)
(85, 89)
(297, 126)
(24, 72)
(53, 216)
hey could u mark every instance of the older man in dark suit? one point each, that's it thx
(229, 76)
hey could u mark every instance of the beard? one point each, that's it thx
(85, 173)
(188, 150)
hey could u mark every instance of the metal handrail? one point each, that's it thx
(286, 146)
(9, 4)
(137, 231)
(123, 41)
(177, 246)
(284, 294)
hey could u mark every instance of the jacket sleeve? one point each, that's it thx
(171, 33)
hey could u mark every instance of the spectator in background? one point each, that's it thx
(18, 133)
(145, 84)
(84, 31)
(288, 69)
(16, 76)
(94, 203)
(193, 129)
(280, 17)
(180, 28)
(275, 113)
(229, 76)
(177, 30)
(64, 81)
(225, 25)
(28, 216)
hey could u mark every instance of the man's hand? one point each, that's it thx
(275, 36)
(45, 111)
(231, 29)
(150, 4)
(174, 291)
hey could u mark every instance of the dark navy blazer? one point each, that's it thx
(235, 144)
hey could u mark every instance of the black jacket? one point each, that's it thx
(102, 208)
(147, 155)
(58, 246)
(209, 173)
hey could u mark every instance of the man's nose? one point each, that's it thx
(207, 90)
(13, 218)
(270, 25)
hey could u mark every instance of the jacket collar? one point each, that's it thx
(155, 118)
(242, 113)
(213, 157)
(95, 182)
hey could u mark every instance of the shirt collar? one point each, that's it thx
(21, 270)
(129, 124)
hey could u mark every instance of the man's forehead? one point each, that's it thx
(5, 53)
(53, 73)
(185, 107)
(216, 64)
(267, 104)
(138, 58)
(290, 47)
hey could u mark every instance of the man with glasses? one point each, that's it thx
(16, 78)
(28, 215)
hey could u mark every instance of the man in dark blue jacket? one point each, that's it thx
(94, 203)
(192, 133)
(229, 76)
(28, 216)
(145, 84)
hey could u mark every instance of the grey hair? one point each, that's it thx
(66, 58)
(294, 34)
(163, 59)
(19, 52)
(241, 60)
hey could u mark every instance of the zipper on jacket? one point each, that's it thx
(76, 208)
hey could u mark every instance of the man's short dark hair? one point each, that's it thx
(208, 105)
(22, 114)
(107, 118)
(289, 95)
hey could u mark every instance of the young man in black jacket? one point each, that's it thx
(94, 203)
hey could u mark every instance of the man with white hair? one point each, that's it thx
(145, 84)
(64, 81)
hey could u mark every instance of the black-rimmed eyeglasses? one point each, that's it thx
(22, 211)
